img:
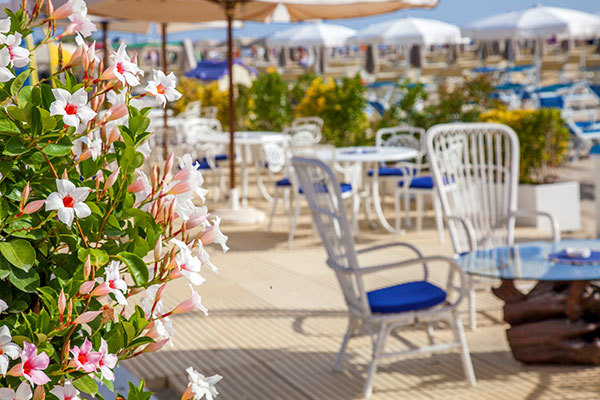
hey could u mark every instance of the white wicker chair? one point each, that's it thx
(475, 167)
(380, 311)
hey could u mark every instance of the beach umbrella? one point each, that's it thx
(537, 23)
(316, 34)
(409, 32)
(167, 11)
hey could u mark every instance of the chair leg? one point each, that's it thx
(472, 309)
(439, 221)
(273, 209)
(407, 221)
(419, 209)
(377, 350)
(294, 222)
(459, 334)
(397, 210)
(430, 334)
(286, 200)
(352, 322)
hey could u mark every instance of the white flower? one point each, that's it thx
(7, 349)
(84, 143)
(4, 28)
(188, 265)
(163, 87)
(5, 73)
(117, 285)
(107, 363)
(195, 177)
(19, 56)
(67, 392)
(201, 386)
(125, 70)
(214, 235)
(81, 24)
(72, 107)
(23, 392)
(3, 305)
(68, 201)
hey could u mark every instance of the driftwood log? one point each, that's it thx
(555, 323)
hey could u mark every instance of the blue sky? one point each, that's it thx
(459, 12)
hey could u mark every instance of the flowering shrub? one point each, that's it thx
(82, 228)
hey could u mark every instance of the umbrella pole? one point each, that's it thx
(164, 67)
(229, 13)
(105, 43)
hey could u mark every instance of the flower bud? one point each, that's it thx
(86, 287)
(62, 302)
(86, 317)
(158, 249)
(168, 164)
(180, 187)
(117, 111)
(33, 206)
(101, 290)
(112, 179)
(108, 74)
(114, 136)
(155, 346)
(181, 175)
(61, 12)
(39, 393)
(154, 176)
(65, 175)
(87, 267)
(196, 221)
(136, 186)
(25, 194)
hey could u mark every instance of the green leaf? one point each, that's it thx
(4, 267)
(86, 384)
(56, 150)
(19, 253)
(25, 281)
(18, 82)
(137, 267)
(142, 340)
(48, 121)
(15, 146)
(97, 257)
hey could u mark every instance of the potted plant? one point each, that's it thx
(82, 227)
(544, 140)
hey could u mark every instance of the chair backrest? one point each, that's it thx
(402, 135)
(308, 121)
(475, 167)
(322, 191)
(209, 112)
(274, 156)
(304, 135)
(192, 109)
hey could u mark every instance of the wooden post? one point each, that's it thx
(105, 42)
(229, 13)
(165, 115)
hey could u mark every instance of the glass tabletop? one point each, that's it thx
(540, 261)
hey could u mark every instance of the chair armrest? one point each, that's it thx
(469, 229)
(533, 213)
(388, 245)
(462, 288)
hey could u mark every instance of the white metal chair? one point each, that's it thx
(305, 131)
(381, 311)
(475, 167)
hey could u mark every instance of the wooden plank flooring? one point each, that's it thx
(277, 318)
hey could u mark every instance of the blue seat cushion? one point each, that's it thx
(409, 296)
(390, 171)
(420, 182)
(202, 164)
(552, 102)
(344, 187)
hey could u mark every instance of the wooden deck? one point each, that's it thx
(277, 318)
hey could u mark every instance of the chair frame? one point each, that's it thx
(342, 258)
(478, 230)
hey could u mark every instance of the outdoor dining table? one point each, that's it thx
(247, 140)
(558, 320)
(370, 157)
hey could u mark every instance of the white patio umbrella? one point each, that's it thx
(537, 23)
(168, 11)
(409, 32)
(315, 34)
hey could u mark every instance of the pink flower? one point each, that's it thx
(32, 365)
(19, 56)
(107, 362)
(23, 392)
(67, 392)
(123, 69)
(192, 304)
(84, 358)
(114, 283)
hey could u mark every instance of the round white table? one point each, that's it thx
(246, 140)
(369, 157)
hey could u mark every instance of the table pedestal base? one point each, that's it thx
(234, 214)
(555, 323)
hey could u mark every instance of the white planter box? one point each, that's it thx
(559, 199)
